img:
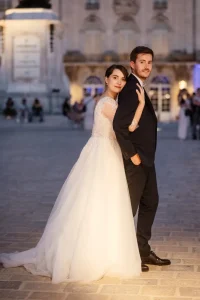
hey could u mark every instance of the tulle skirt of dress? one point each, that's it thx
(90, 232)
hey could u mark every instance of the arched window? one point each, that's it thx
(93, 86)
(160, 79)
(93, 80)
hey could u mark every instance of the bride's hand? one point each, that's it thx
(140, 93)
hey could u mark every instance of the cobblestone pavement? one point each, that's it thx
(35, 160)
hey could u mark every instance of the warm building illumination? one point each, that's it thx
(182, 84)
(76, 92)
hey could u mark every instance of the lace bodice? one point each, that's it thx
(103, 125)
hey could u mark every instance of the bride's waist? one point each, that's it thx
(108, 137)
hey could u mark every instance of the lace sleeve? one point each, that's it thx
(109, 109)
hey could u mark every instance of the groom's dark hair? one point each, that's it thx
(140, 50)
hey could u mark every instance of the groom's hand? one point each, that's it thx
(136, 160)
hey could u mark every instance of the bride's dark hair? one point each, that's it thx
(110, 70)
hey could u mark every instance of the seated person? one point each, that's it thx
(23, 112)
(66, 107)
(9, 110)
(37, 110)
(79, 109)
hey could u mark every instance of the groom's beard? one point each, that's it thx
(144, 74)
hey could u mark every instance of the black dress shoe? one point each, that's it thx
(144, 268)
(153, 259)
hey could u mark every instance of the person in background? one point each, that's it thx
(23, 112)
(66, 107)
(10, 110)
(96, 99)
(37, 110)
(184, 114)
(79, 109)
(196, 117)
(90, 103)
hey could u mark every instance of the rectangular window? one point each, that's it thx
(93, 42)
(160, 4)
(166, 99)
(125, 40)
(5, 4)
(92, 4)
(154, 98)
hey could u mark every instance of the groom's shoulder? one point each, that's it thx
(131, 82)
(131, 79)
(130, 85)
(127, 93)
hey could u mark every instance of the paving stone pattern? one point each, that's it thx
(34, 162)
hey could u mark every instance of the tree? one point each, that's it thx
(34, 4)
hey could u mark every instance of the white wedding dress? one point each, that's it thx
(90, 232)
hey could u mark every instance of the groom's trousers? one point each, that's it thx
(143, 191)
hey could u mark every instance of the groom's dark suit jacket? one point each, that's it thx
(143, 140)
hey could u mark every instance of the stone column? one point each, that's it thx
(32, 60)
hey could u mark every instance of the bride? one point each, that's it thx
(90, 232)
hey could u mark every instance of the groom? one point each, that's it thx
(138, 149)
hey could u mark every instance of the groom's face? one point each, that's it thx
(142, 66)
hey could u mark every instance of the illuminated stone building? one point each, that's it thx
(98, 33)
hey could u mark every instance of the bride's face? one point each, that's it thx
(116, 81)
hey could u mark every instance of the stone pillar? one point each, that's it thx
(32, 58)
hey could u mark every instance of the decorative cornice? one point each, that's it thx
(160, 22)
(126, 22)
(30, 14)
(74, 56)
(92, 22)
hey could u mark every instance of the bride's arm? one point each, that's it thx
(139, 110)
(109, 110)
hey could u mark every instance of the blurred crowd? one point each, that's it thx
(81, 113)
(189, 116)
(22, 112)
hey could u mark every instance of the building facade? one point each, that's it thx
(98, 33)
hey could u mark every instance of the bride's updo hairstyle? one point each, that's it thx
(110, 70)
